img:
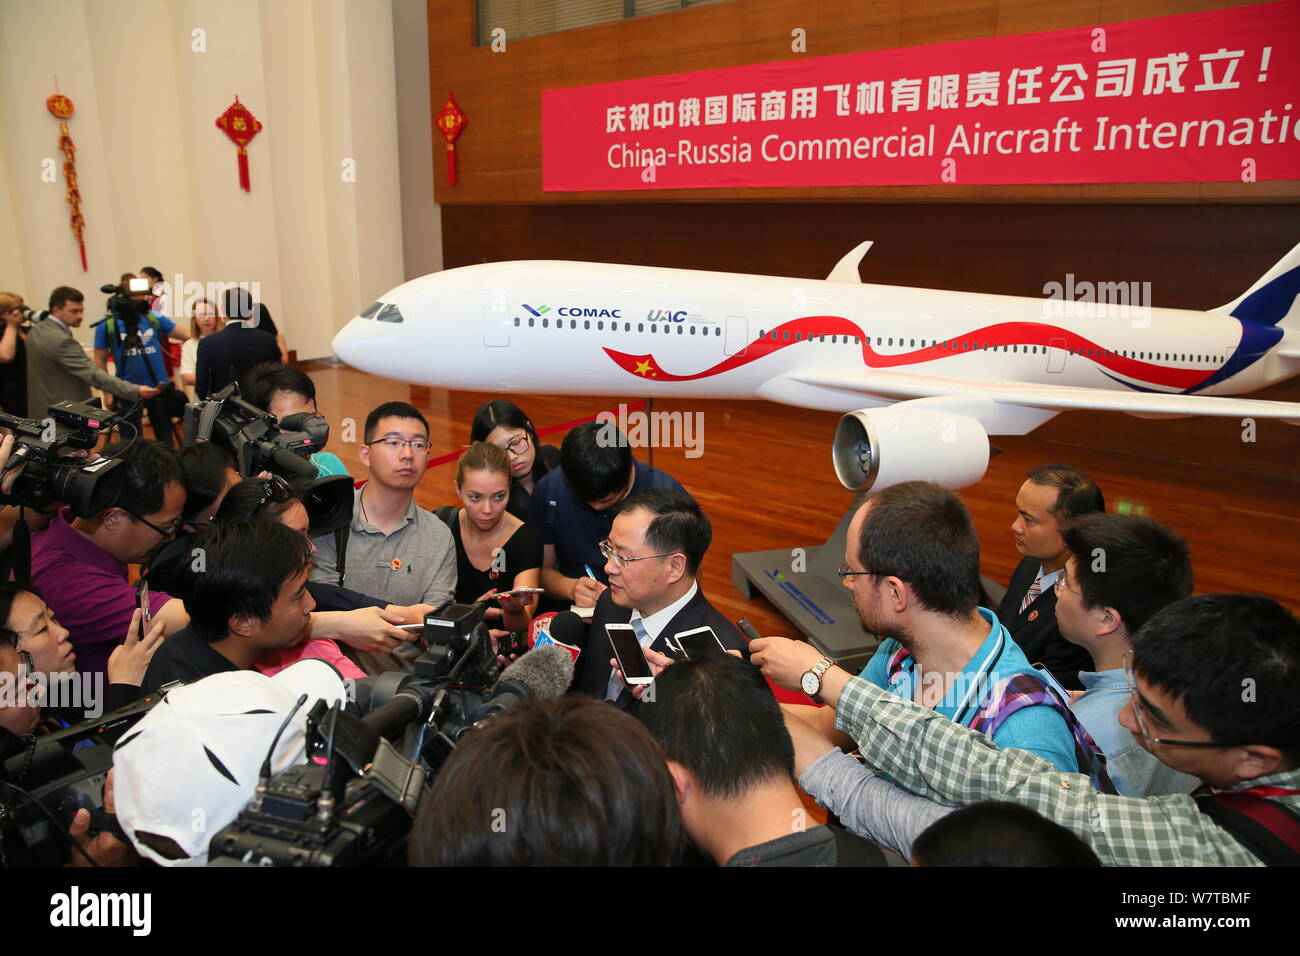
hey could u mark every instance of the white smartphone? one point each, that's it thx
(698, 642)
(630, 655)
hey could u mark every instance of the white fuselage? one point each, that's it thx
(592, 328)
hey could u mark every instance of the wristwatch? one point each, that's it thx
(811, 682)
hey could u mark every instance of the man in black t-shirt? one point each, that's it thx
(251, 598)
(735, 776)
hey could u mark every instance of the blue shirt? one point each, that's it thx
(327, 463)
(1039, 730)
(136, 365)
(1135, 771)
(576, 529)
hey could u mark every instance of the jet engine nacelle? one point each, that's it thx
(879, 447)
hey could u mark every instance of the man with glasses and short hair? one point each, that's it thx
(652, 557)
(395, 550)
(913, 568)
(79, 566)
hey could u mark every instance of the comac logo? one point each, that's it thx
(666, 315)
(577, 313)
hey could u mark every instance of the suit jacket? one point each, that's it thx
(592, 675)
(1035, 630)
(226, 356)
(58, 370)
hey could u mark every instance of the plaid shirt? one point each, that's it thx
(936, 758)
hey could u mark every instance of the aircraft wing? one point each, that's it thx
(903, 386)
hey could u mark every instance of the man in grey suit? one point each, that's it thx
(58, 369)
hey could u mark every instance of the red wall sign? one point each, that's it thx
(1209, 96)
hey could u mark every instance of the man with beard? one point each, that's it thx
(913, 567)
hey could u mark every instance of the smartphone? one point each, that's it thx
(630, 655)
(518, 591)
(750, 632)
(145, 616)
(698, 642)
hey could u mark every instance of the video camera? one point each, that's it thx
(260, 443)
(43, 786)
(50, 476)
(129, 302)
(352, 801)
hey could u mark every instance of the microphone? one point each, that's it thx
(542, 673)
(566, 628)
(413, 702)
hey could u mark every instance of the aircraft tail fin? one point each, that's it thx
(1274, 299)
(846, 270)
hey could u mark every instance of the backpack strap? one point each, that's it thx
(341, 549)
(1268, 829)
(1030, 690)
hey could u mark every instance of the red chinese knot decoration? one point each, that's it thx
(61, 107)
(451, 120)
(241, 126)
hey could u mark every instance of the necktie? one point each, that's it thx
(1031, 595)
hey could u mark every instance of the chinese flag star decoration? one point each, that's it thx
(450, 122)
(241, 126)
(61, 107)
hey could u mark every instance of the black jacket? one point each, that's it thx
(1036, 632)
(226, 356)
(592, 675)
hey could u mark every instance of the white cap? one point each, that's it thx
(191, 764)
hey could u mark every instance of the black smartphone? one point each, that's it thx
(630, 656)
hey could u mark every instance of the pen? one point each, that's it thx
(590, 573)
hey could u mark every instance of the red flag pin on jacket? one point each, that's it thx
(241, 126)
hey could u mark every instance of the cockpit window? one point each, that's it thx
(382, 312)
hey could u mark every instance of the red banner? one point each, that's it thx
(1198, 97)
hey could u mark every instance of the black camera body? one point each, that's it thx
(50, 475)
(324, 814)
(260, 443)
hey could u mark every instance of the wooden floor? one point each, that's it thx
(765, 480)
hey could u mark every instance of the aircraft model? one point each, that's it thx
(924, 375)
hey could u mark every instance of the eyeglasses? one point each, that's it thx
(276, 489)
(517, 446)
(167, 532)
(845, 572)
(1060, 586)
(1141, 719)
(395, 444)
(623, 560)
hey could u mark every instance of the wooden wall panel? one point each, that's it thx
(1194, 256)
(500, 151)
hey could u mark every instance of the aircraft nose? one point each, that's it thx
(361, 343)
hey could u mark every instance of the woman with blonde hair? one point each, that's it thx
(203, 322)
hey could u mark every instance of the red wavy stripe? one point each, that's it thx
(1005, 333)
